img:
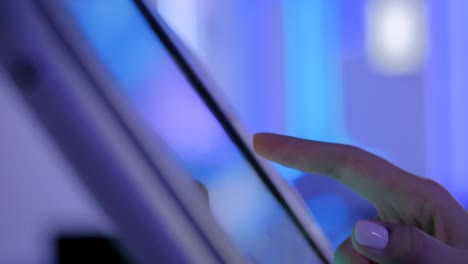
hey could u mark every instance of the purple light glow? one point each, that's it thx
(173, 112)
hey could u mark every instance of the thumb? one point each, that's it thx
(388, 243)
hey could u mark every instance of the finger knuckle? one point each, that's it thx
(352, 155)
(432, 185)
(432, 188)
(350, 158)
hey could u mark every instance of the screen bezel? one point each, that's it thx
(204, 93)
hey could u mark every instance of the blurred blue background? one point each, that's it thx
(385, 75)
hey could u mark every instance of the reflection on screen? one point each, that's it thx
(167, 103)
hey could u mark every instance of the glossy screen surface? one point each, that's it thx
(168, 104)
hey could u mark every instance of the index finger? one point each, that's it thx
(361, 171)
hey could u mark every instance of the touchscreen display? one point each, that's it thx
(167, 103)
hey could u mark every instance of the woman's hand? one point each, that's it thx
(418, 220)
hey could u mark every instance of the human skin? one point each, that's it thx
(418, 220)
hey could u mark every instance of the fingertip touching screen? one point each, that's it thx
(168, 104)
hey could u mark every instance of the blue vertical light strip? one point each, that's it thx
(458, 38)
(302, 32)
(333, 73)
(313, 90)
(437, 99)
(314, 101)
(304, 56)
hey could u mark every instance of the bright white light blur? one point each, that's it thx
(182, 17)
(396, 35)
(396, 30)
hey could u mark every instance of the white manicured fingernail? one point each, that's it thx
(370, 234)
